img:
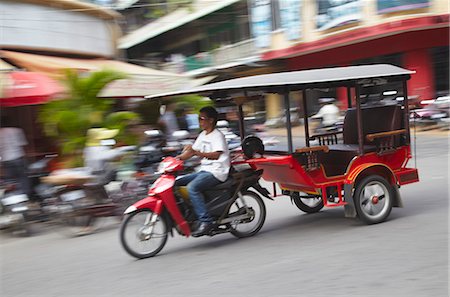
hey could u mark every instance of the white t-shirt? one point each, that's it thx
(329, 114)
(214, 142)
(96, 157)
(12, 141)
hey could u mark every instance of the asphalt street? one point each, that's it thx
(295, 254)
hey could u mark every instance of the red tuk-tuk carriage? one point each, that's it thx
(361, 166)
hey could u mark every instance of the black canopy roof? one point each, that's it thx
(275, 82)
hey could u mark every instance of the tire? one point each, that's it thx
(373, 199)
(133, 236)
(308, 205)
(69, 215)
(251, 226)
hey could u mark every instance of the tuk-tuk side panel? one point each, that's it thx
(395, 163)
(284, 170)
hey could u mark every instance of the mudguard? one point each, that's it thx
(149, 202)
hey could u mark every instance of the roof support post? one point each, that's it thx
(305, 118)
(349, 97)
(241, 121)
(359, 121)
(406, 108)
(287, 107)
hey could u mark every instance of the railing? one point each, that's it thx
(220, 56)
(234, 52)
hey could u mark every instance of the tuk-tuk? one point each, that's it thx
(361, 166)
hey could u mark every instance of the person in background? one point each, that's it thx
(328, 113)
(212, 148)
(97, 155)
(12, 155)
(168, 120)
(192, 120)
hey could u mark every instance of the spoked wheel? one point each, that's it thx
(250, 213)
(70, 213)
(143, 234)
(308, 205)
(373, 199)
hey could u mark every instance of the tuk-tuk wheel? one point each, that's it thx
(308, 205)
(373, 199)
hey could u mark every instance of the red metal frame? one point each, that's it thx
(161, 196)
(291, 175)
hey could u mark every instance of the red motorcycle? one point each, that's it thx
(234, 208)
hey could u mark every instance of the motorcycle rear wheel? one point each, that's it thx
(254, 205)
(140, 237)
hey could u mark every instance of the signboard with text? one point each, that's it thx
(335, 13)
(261, 22)
(290, 17)
(387, 6)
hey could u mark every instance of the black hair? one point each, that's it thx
(210, 112)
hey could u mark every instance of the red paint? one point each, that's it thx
(411, 36)
(291, 175)
(27, 88)
(386, 38)
(421, 84)
(161, 196)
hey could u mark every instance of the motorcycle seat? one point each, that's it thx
(226, 185)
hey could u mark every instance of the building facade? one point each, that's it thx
(240, 38)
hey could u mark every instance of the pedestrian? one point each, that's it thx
(328, 113)
(12, 155)
(192, 120)
(168, 120)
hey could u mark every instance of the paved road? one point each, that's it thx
(295, 254)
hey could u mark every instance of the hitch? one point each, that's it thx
(263, 191)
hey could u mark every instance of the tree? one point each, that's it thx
(68, 119)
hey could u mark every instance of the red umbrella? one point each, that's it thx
(26, 88)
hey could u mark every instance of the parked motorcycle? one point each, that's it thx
(80, 198)
(35, 171)
(156, 147)
(235, 209)
(13, 209)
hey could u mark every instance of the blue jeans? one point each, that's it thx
(197, 183)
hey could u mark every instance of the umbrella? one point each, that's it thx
(19, 88)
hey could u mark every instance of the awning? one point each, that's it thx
(5, 66)
(19, 88)
(171, 21)
(141, 81)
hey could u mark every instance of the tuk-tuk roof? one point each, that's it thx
(275, 82)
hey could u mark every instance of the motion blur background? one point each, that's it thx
(166, 45)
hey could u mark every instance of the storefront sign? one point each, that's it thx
(290, 15)
(261, 21)
(387, 6)
(335, 13)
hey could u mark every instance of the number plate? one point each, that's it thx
(14, 199)
(74, 195)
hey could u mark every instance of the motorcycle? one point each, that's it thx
(80, 198)
(35, 171)
(234, 208)
(13, 209)
(156, 147)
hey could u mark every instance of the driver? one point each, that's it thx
(212, 147)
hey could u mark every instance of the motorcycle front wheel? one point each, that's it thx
(253, 212)
(143, 233)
